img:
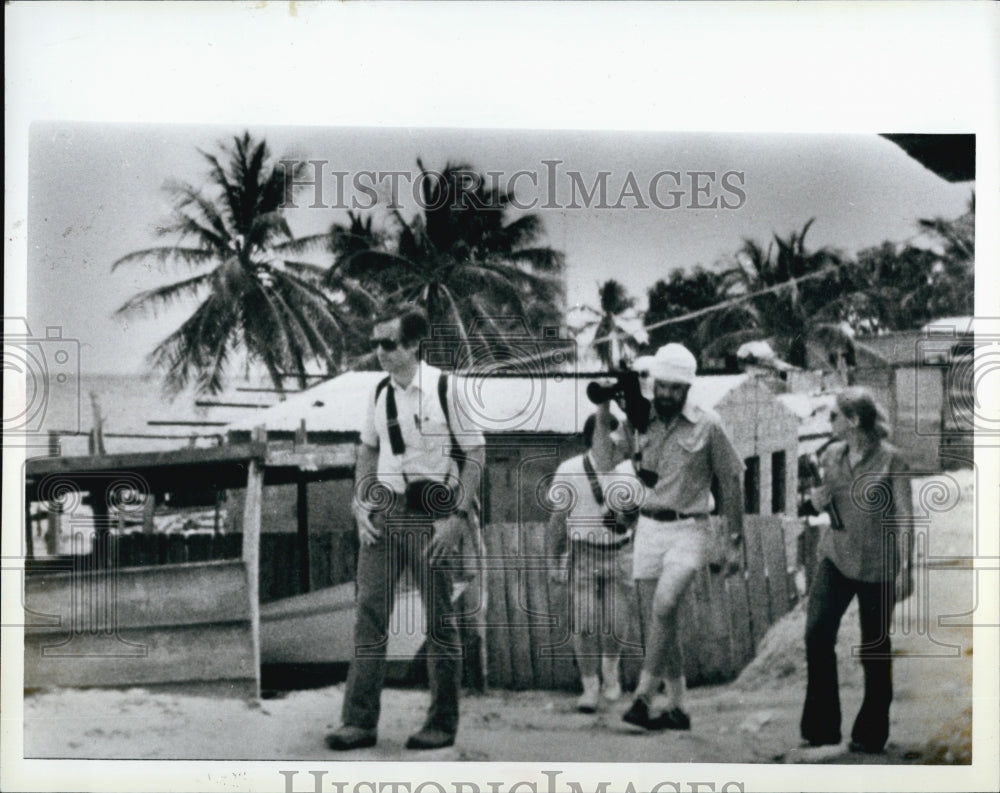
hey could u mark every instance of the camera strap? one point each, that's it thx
(595, 484)
(391, 415)
(392, 419)
(609, 518)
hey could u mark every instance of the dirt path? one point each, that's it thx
(752, 720)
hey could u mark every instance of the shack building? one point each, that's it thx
(926, 381)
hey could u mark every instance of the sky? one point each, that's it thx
(96, 193)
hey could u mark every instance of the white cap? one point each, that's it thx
(673, 363)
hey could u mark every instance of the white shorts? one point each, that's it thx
(675, 547)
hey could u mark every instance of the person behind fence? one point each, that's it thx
(598, 558)
(678, 455)
(865, 552)
(416, 494)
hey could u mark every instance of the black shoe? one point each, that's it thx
(673, 719)
(350, 737)
(430, 738)
(638, 715)
(860, 747)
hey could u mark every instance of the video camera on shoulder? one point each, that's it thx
(626, 391)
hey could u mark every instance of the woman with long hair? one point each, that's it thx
(866, 552)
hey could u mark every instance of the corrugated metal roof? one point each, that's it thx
(812, 411)
(494, 404)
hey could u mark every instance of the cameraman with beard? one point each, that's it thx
(677, 456)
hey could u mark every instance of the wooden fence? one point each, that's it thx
(723, 618)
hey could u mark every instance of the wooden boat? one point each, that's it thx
(316, 628)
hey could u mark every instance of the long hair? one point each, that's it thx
(858, 402)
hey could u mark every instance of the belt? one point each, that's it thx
(611, 546)
(667, 515)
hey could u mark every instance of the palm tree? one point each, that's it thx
(681, 293)
(952, 283)
(460, 258)
(794, 312)
(274, 311)
(895, 287)
(612, 340)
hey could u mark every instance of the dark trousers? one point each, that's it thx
(829, 597)
(403, 546)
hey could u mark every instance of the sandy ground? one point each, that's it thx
(753, 719)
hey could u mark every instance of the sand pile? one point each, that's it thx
(781, 655)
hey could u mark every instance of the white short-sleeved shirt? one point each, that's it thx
(424, 428)
(570, 485)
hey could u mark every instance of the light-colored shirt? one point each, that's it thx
(570, 491)
(685, 453)
(875, 504)
(424, 429)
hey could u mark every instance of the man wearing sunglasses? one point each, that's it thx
(416, 495)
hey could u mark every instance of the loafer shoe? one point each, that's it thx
(638, 714)
(672, 719)
(350, 737)
(430, 738)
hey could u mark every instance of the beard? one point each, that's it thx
(667, 407)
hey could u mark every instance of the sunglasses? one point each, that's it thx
(389, 345)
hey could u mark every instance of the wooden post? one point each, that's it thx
(302, 505)
(251, 547)
(53, 525)
(302, 514)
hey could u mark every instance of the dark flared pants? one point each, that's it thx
(403, 546)
(829, 597)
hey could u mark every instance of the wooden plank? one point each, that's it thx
(302, 532)
(538, 606)
(518, 626)
(313, 458)
(212, 651)
(773, 543)
(498, 666)
(163, 595)
(162, 548)
(689, 622)
(760, 606)
(237, 454)
(721, 665)
(252, 506)
(741, 644)
(176, 549)
(199, 548)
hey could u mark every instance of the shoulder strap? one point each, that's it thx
(391, 415)
(456, 452)
(609, 518)
(595, 485)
